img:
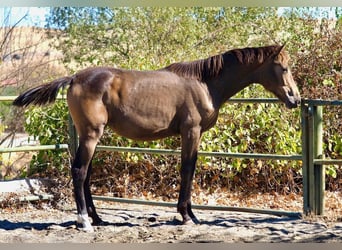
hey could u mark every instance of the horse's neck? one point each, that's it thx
(233, 80)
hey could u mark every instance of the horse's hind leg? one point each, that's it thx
(81, 175)
(89, 200)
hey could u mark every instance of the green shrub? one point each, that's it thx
(49, 126)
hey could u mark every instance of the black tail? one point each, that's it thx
(42, 94)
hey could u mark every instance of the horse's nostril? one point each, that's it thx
(290, 93)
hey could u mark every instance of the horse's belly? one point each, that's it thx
(143, 127)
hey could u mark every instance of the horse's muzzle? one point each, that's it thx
(292, 102)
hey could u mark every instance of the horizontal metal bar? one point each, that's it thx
(34, 148)
(138, 150)
(202, 207)
(7, 98)
(252, 155)
(327, 161)
(202, 153)
(12, 98)
(320, 102)
(253, 100)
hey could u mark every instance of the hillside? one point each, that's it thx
(27, 57)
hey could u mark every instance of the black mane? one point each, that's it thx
(212, 66)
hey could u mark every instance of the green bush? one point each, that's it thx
(49, 126)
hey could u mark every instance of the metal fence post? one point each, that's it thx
(307, 191)
(312, 147)
(319, 169)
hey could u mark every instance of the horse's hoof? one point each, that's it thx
(192, 221)
(188, 222)
(86, 229)
(195, 221)
(82, 219)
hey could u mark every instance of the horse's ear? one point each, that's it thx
(279, 49)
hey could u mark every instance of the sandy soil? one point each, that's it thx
(46, 221)
(140, 223)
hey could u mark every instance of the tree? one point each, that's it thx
(148, 38)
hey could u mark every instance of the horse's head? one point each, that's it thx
(277, 78)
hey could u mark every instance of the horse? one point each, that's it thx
(183, 99)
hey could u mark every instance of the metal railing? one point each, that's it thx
(313, 160)
(311, 157)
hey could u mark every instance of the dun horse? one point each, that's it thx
(181, 99)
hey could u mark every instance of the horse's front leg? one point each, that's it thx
(190, 142)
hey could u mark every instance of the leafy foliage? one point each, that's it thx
(138, 38)
(49, 126)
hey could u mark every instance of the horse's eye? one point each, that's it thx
(285, 70)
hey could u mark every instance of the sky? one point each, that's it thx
(36, 15)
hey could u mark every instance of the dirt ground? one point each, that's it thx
(55, 221)
(141, 223)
